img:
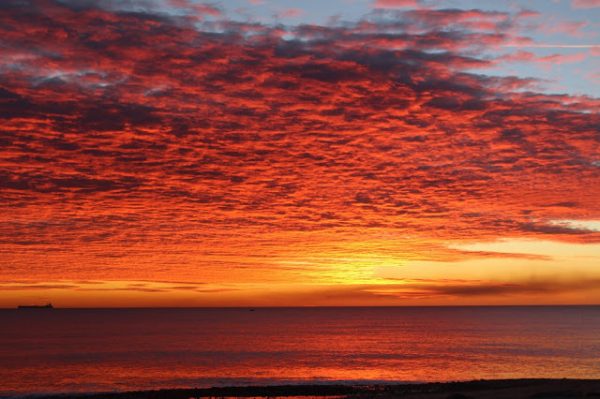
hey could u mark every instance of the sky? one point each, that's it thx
(314, 153)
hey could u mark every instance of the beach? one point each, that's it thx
(483, 389)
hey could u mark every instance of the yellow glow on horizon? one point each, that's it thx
(515, 270)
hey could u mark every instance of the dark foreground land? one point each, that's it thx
(488, 389)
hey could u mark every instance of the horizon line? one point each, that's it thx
(306, 307)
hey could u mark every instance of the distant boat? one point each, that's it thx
(46, 306)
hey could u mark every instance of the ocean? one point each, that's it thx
(88, 350)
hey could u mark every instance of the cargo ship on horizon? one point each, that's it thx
(46, 306)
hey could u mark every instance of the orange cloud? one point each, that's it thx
(139, 146)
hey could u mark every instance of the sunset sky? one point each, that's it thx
(283, 153)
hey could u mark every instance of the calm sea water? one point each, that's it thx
(66, 350)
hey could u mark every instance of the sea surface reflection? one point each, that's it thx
(66, 350)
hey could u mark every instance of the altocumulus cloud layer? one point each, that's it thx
(138, 144)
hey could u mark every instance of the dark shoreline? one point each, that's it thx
(490, 389)
(545, 305)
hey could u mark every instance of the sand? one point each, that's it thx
(488, 389)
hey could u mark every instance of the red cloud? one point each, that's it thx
(526, 56)
(202, 9)
(137, 145)
(395, 3)
(585, 3)
(290, 13)
(572, 28)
